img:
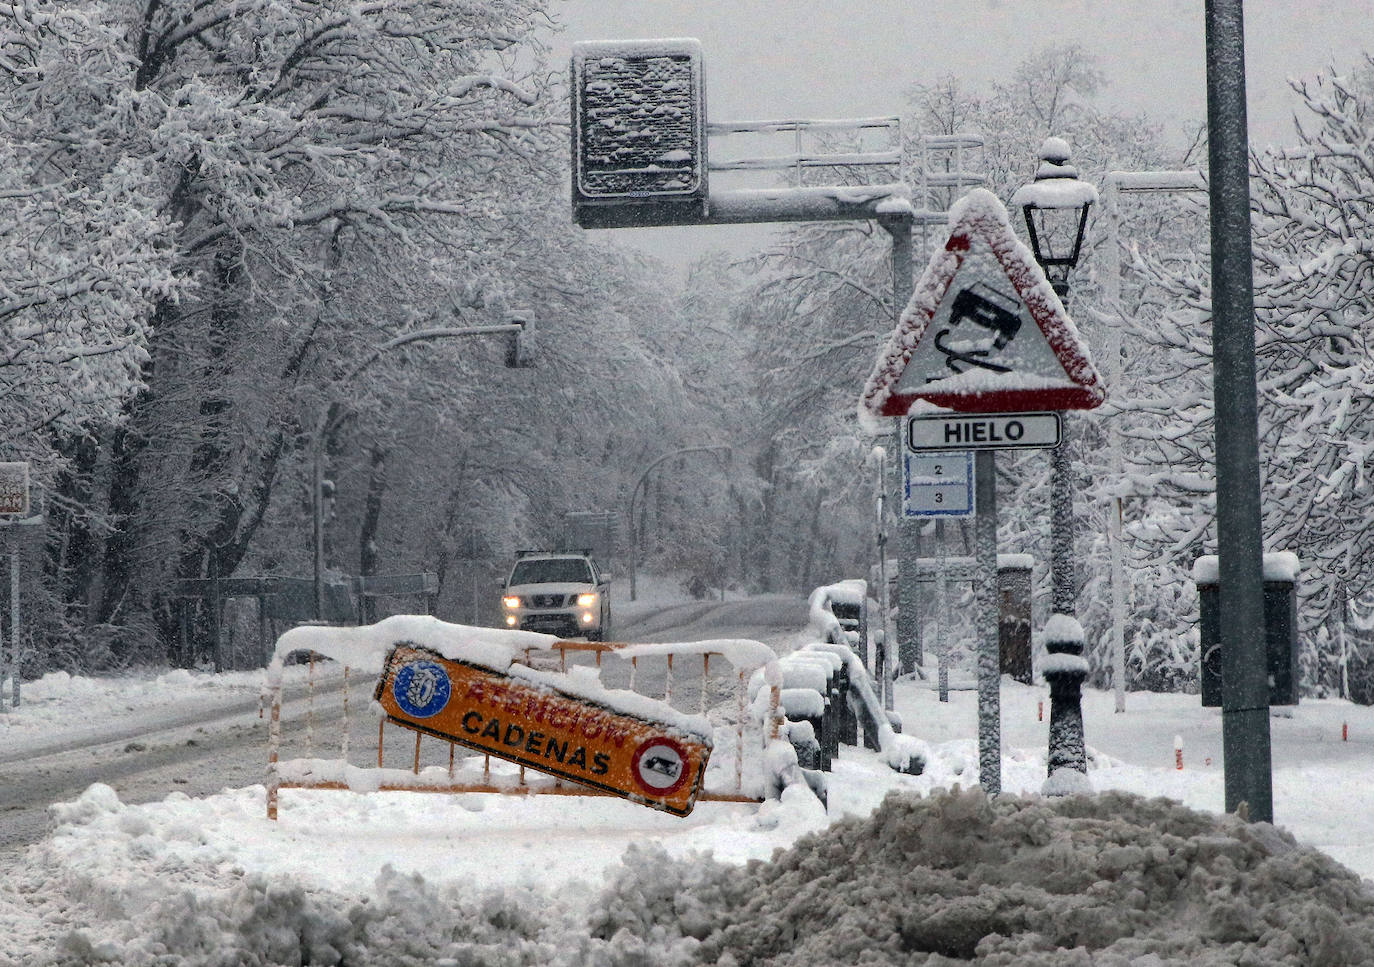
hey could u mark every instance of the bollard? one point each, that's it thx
(801, 734)
(1064, 669)
(1178, 752)
(1345, 732)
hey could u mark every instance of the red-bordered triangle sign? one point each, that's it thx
(984, 332)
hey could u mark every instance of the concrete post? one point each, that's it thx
(1014, 625)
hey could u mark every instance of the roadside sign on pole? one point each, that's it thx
(938, 484)
(14, 488)
(982, 431)
(984, 331)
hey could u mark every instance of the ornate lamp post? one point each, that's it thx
(1055, 206)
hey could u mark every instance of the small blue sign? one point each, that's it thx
(422, 689)
(938, 484)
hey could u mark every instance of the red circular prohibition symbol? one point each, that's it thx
(660, 766)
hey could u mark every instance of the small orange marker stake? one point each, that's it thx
(1178, 752)
(1345, 731)
(1040, 710)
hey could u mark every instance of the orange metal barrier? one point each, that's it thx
(433, 764)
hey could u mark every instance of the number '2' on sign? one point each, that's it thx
(938, 484)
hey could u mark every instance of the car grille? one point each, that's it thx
(546, 600)
(557, 624)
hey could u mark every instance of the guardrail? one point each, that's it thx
(828, 688)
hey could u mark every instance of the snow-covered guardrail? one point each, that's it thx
(751, 761)
(904, 753)
(835, 668)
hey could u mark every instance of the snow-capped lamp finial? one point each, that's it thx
(1054, 160)
(1054, 150)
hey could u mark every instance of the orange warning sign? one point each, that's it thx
(543, 728)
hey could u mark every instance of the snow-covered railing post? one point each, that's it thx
(1064, 669)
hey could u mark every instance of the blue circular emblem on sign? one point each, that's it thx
(422, 689)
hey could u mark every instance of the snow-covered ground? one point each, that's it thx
(188, 879)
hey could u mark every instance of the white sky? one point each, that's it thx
(854, 58)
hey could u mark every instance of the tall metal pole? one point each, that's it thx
(884, 605)
(1111, 291)
(15, 628)
(317, 524)
(908, 652)
(1153, 182)
(1245, 687)
(986, 607)
(1065, 593)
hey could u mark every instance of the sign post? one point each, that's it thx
(1245, 688)
(981, 360)
(14, 510)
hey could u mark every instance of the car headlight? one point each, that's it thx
(511, 601)
(586, 600)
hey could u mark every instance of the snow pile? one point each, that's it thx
(147, 885)
(1116, 879)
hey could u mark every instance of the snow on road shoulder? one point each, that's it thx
(62, 708)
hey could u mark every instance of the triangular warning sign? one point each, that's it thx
(984, 332)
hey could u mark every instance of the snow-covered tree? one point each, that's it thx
(266, 180)
(83, 253)
(1314, 262)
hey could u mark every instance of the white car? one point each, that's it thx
(558, 593)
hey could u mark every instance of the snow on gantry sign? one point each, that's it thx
(638, 129)
(984, 331)
(544, 728)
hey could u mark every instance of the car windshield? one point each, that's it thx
(572, 570)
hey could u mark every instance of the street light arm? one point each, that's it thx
(419, 335)
(634, 496)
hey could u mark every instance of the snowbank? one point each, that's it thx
(1114, 879)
